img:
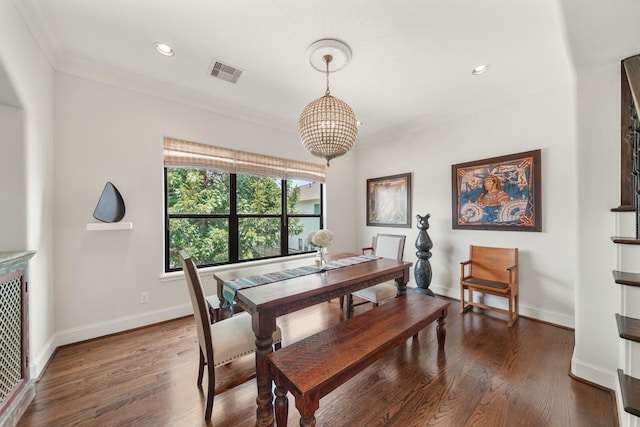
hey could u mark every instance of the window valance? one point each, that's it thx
(179, 153)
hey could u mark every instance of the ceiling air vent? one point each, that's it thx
(224, 71)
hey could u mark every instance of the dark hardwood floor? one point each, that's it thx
(488, 375)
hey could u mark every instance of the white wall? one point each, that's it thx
(13, 218)
(341, 202)
(104, 133)
(598, 152)
(547, 259)
(26, 86)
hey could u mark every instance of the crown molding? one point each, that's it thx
(155, 88)
(39, 29)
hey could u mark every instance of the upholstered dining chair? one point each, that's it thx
(220, 342)
(386, 246)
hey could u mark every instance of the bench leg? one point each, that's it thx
(307, 406)
(281, 406)
(305, 422)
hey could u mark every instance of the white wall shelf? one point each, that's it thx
(106, 226)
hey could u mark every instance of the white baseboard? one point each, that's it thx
(548, 316)
(95, 330)
(534, 313)
(39, 362)
(605, 378)
(595, 374)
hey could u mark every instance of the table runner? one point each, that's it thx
(230, 288)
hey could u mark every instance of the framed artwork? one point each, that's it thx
(389, 201)
(500, 193)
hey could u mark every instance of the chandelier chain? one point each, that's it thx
(327, 59)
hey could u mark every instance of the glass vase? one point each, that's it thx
(321, 259)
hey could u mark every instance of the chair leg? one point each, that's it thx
(465, 305)
(513, 310)
(215, 314)
(349, 306)
(510, 322)
(201, 369)
(210, 391)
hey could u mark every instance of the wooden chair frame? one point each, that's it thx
(492, 271)
(203, 314)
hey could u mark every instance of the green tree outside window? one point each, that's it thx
(218, 217)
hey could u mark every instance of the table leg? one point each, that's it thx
(264, 346)
(441, 329)
(401, 282)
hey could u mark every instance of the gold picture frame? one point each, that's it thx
(389, 201)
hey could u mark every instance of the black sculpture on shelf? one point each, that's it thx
(110, 207)
(422, 270)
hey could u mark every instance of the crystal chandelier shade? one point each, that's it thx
(327, 127)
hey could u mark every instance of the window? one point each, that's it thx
(225, 211)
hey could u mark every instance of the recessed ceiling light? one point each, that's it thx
(480, 69)
(163, 49)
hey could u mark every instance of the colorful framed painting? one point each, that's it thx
(500, 193)
(389, 201)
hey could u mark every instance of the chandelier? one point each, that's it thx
(327, 126)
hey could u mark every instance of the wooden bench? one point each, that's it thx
(492, 271)
(314, 366)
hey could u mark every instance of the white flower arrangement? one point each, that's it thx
(320, 238)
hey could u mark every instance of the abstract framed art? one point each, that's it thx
(389, 201)
(499, 193)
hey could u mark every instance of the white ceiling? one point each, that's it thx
(412, 59)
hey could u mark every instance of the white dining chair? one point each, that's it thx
(385, 246)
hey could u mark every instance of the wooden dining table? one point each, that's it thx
(266, 302)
